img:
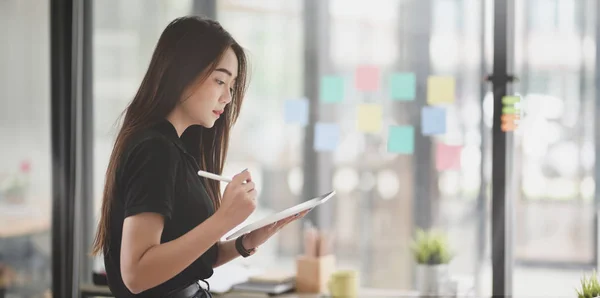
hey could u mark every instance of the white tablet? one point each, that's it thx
(283, 214)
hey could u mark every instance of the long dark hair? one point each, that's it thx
(188, 50)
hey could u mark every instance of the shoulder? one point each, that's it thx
(150, 142)
(149, 150)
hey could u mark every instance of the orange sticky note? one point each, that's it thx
(367, 78)
(447, 157)
(509, 122)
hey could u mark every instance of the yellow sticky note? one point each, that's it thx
(369, 118)
(440, 89)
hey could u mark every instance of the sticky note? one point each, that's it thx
(401, 139)
(509, 122)
(403, 86)
(296, 111)
(327, 136)
(369, 118)
(332, 89)
(447, 157)
(510, 100)
(367, 78)
(433, 121)
(440, 90)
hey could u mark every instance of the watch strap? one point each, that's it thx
(239, 246)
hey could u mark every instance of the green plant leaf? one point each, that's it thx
(430, 247)
(589, 286)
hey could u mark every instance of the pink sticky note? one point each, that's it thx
(367, 78)
(447, 157)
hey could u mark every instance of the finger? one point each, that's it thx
(295, 217)
(298, 215)
(287, 220)
(273, 226)
(272, 229)
(252, 195)
(241, 177)
(281, 224)
(248, 187)
(303, 213)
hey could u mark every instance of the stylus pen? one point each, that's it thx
(213, 176)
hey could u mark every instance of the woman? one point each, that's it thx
(161, 224)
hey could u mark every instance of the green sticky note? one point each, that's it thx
(509, 110)
(403, 86)
(332, 89)
(401, 139)
(510, 100)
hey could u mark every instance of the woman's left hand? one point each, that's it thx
(260, 236)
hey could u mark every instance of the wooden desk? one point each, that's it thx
(23, 220)
(21, 223)
(88, 291)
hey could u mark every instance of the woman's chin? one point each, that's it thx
(207, 124)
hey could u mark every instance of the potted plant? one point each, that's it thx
(590, 287)
(432, 255)
(14, 188)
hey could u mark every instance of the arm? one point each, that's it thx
(228, 252)
(145, 263)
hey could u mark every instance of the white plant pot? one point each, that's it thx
(432, 279)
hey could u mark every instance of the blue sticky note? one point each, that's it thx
(401, 139)
(403, 86)
(327, 136)
(433, 121)
(296, 111)
(332, 89)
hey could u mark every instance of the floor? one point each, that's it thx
(539, 282)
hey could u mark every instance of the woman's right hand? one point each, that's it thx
(239, 199)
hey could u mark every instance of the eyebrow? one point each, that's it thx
(224, 70)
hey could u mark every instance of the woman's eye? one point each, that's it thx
(220, 82)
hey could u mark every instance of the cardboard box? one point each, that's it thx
(313, 273)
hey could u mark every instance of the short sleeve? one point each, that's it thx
(149, 178)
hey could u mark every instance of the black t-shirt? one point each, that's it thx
(158, 174)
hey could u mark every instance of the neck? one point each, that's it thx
(178, 122)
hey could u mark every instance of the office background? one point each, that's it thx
(57, 126)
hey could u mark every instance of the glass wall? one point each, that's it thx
(402, 156)
(435, 185)
(553, 161)
(382, 196)
(262, 140)
(25, 163)
(370, 44)
(123, 40)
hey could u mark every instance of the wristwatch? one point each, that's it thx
(241, 249)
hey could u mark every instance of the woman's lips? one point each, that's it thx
(218, 113)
